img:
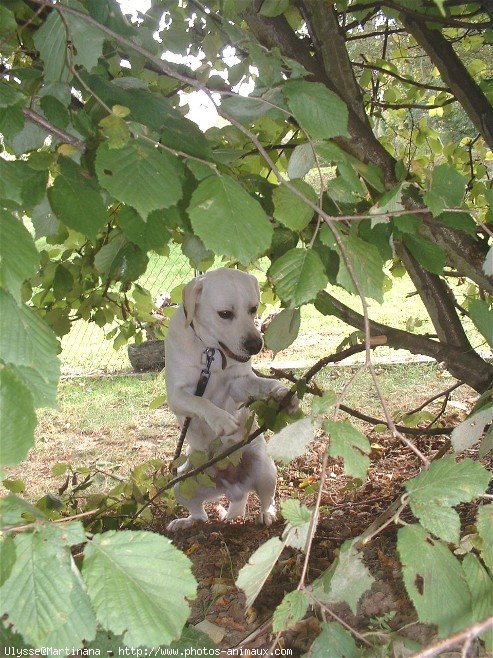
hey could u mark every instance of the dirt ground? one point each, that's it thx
(219, 550)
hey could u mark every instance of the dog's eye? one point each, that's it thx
(226, 315)
(253, 310)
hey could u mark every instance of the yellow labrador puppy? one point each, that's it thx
(218, 312)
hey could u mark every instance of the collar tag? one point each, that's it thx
(207, 359)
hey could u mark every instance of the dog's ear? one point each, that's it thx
(190, 296)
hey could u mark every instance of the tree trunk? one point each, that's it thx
(454, 74)
(328, 62)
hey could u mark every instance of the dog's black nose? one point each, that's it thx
(253, 345)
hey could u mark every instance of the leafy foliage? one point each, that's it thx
(434, 580)
(99, 167)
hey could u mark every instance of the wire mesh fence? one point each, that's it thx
(85, 349)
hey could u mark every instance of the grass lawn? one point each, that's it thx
(105, 423)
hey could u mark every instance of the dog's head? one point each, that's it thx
(221, 306)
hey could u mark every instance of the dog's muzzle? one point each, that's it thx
(251, 345)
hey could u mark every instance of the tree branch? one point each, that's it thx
(452, 70)
(397, 76)
(276, 33)
(413, 431)
(469, 367)
(413, 106)
(65, 137)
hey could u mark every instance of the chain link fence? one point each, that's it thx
(85, 349)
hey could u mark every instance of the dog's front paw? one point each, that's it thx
(279, 394)
(223, 423)
(268, 516)
(180, 524)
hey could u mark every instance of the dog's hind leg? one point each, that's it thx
(266, 489)
(197, 513)
(236, 508)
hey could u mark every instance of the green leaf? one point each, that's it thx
(485, 529)
(17, 511)
(465, 435)
(292, 441)
(11, 121)
(17, 418)
(481, 314)
(459, 220)
(290, 611)
(443, 522)
(152, 234)
(228, 220)
(289, 209)
(324, 404)
(367, 264)
(156, 176)
(301, 161)
(350, 444)
(21, 184)
(434, 580)
(444, 484)
(138, 583)
(183, 135)
(157, 402)
(10, 96)
(388, 203)
(151, 109)
(44, 220)
(348, 580)
(318, 110)
(18, 254)
(51, 41)
(193, 248)
(116, 130)
(427, 253)
(7, 557)
(298, 519)
(244, 109)
(43, 596)
(298, 275)
(446, 189)
(87, 38)
(63, 282)
(76, 201)
(30, 138)
(8, 24)
(334, 641)
(408, 223)
(294, 512)
(480, 584)
(254, 574)
(29, 344)
(14, 486)
(120, 259)
(273, 7)
(283, 330)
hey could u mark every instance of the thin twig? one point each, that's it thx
(313, 521)
(463, 636)
(341, 621)
(447, 391)
(65, 519)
